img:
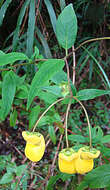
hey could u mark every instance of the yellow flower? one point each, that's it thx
(87, 153)
(66, 161)
(32, 137)
(85, 162)
(35, 146)
(83, 166)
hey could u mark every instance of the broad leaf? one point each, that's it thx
(105, 139)
(99, 177)
(8, 92)
(52, 134)
(10, 58)
(7, 178)
(88, 94)
(66, 27)
(45, 73)
(33, 116)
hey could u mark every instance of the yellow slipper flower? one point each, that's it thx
(87, 153)
(83, 166)
(85, 162)
(35, 147)
(66, 161)
(32, 137)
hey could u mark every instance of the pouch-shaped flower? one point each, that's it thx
(32, 137)
(85, 162)
(66, 161)
(87, 153)
(35, 147)
(83, 166)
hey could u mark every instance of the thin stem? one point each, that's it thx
(74, 65)
(68, 76)
(85, 42)
(46, 112)
(66, 125)
(90, 137)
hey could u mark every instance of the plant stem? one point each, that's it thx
(85, 42)
(90, 137)
(46, 112)
(74, 65)
(66, 124)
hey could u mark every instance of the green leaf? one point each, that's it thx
(62, 4)
(19, 22)
(52, 134)
(3, 10)
(88, 94)
(20, 170)
(51, 14)
(7, 178)
(8, 92)
(82, 186)
(103, 72)
(10, 58)
(53, 89)
(45, 73)
(46, 48)
(31, 27)
(59, 77)
(22, 92)
(33, 116)
(66, 27)
(77, 138)
(99, 177)
(13, 118)
(105, 139)
(52, 181)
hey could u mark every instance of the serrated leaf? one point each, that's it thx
(88, 94)
(10, 58)
(7, 178)
(3, 10)
(8, 92)
(66, 27)
(33, 116)
(45, 73)
(52, 134)
(99, 177)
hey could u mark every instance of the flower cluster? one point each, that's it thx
(80, 162)
(69, 161)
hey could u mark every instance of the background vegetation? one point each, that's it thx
(31, 46)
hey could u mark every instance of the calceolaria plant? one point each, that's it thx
(49, 86)
(35, 145)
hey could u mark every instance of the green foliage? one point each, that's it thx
(64, 26)
(34, 75)
(46, 72)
